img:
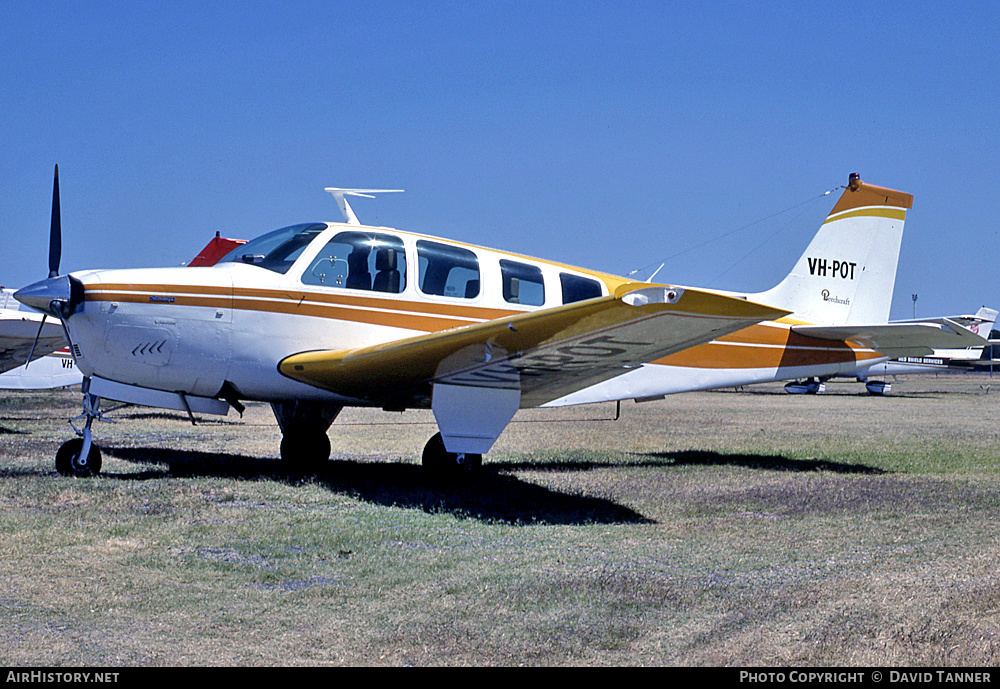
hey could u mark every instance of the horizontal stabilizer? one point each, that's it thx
(918, 338)
(981, 323)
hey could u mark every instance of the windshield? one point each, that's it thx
(276, 250)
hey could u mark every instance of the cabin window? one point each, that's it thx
(576, 288)
(275, 250)
(447, 271)
(522, 283)
(367, 261)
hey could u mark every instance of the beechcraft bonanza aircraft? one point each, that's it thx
(318, 316)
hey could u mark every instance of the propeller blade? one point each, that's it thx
(55, 231)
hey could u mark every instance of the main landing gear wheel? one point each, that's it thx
(439, 462)
(70, 463)
(305, 450)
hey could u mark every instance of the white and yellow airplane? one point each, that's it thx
(319, 316)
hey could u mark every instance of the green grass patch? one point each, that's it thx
(726, 528)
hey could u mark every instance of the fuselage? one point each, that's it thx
(344, 286)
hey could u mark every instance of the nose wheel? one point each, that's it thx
(79, 457)
(71, 460)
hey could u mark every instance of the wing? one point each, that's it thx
(17, 336)
(900, 339)
(544, 354)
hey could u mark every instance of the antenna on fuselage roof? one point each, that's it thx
(341, 195)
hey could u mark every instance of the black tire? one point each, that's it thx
(68, 459)
(437, 461)
(305, 451)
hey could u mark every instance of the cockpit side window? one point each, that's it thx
(447, 271)
(577, 288)
(277, 250)
(522, 283)
(368, 261)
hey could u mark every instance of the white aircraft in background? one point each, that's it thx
(318, 316)
(968, 360)
(52, 365)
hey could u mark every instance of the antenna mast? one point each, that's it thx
(345, 208)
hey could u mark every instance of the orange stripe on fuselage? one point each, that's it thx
(400, 313)
(767, 346)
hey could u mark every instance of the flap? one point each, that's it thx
(546, 354)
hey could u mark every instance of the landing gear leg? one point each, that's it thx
(80, 457)
(304, 442)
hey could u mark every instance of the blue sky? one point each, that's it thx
(607, 135)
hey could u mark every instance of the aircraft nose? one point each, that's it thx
(46, 295)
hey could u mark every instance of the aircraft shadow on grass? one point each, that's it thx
(490, 497)
(762, 462)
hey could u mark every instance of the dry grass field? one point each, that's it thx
(726, 528)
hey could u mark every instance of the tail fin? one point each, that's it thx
(847, 273)
(982, 323)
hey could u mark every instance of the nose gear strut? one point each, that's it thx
(80, 457)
